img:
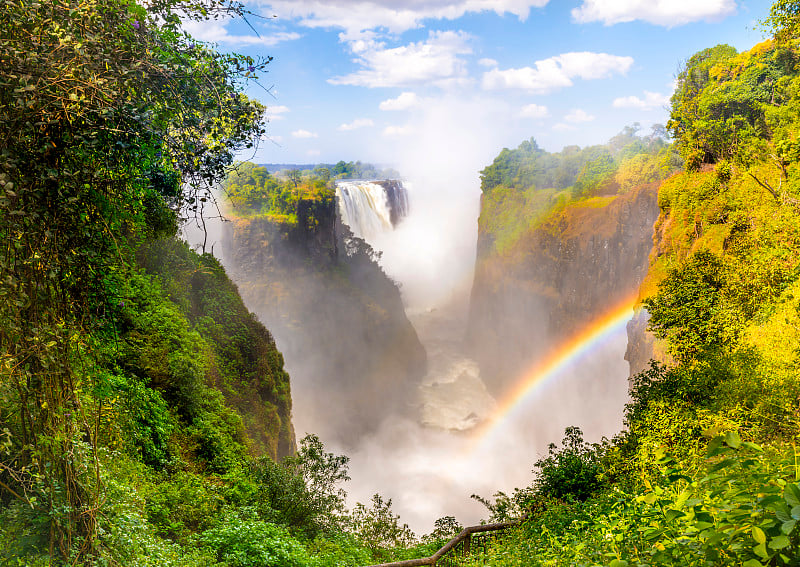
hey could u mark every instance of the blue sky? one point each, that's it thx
(401, 82)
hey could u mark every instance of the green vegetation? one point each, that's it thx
(358, 170)
(526, 187)
(706, 471)
(145, 416)
(252, 191)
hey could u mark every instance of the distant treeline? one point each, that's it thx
(627, 159)
(339, 170)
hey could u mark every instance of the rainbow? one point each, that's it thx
(547, 369)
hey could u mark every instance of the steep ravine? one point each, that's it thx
(353, 356)
(558, 275)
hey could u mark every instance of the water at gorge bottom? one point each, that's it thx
(430, 460)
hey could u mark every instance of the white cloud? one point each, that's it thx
(276, 112)
(357, 123)
(397, 131)
(557, 72)
(304, 134)
(435, 60)
(215, 31)
(577, 115)
(312, 153)
(404, 101)
(533, 111)
(561, 126)
(486, 62)
(396, 16)
(666, 13)
(651, 100)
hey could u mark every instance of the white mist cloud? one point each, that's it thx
(533, 111)
(578, 115)
(404, 101)
(432, 252)
(486, 62)
(304, 134)
(667, 13)
(557, 72)
(433, 60)
(431, 473)
(356, 124)
(650, 101)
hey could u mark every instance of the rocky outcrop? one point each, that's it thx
(397, 199)
(640, 350)
(570, 268)
(353, 355)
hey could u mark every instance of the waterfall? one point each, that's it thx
(370, 208)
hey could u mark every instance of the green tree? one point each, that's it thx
(108, 113)
(691, 309)
(303, 491)
(784, 20)
(379, 527)
(571, 472)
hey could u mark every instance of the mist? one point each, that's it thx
(432, 252)
(430, 450)
(430, 461)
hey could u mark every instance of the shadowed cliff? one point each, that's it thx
(567, 269)
(338, 319)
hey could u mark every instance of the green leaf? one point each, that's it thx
(788, 527)
(792, 495)
(783, 514)
(761, 550)
(618, 563)
(733, 440)
(649, 498)
(779, 542)
(703, 525)
(723, 464)
(759, 535)
(673, 514)
(796, 512)
(752, 563)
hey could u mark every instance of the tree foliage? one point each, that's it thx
(108, 111)
(584, 170)
(691, 309)
(251, 190)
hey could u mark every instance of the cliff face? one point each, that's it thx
(568, 268)
(241, 359)
(353, 356)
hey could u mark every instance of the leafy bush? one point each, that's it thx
(241, 541)
(571, 472)
(691, 308)
(183, 505)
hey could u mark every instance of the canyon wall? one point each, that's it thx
(353, 356)
(569, 267)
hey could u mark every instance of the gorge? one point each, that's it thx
(358, 355)
(209, 362)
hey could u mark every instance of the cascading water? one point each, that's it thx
(451, 396)
(370, 208)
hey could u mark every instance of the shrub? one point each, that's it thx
(245, 542)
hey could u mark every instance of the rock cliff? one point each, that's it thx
(353, 355)
(566, 269)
